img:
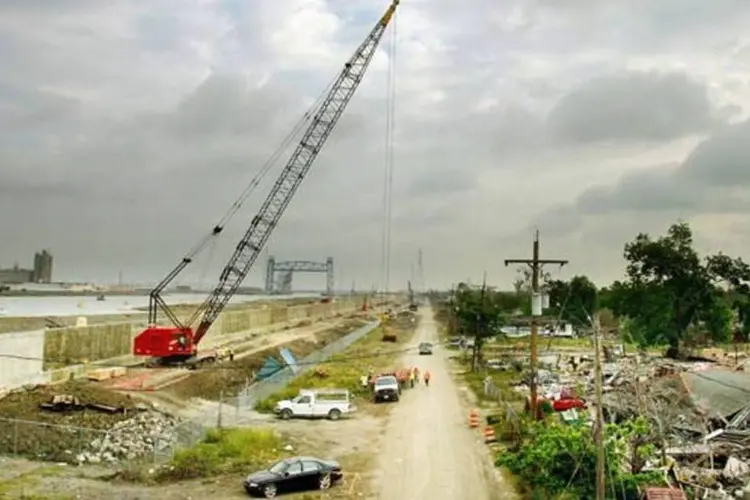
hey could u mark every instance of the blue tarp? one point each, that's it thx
(270, 367)
(287, 356)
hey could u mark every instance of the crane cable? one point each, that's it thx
(258, 178)
(389, 161)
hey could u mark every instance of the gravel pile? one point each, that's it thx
(143, 435)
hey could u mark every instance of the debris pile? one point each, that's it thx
(699, 410)
(143, 435)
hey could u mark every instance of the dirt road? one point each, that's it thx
(428, 451)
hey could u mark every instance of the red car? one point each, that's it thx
(568, 400)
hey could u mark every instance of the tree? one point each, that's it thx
(671, 295)
(478, 314)
(573, 301)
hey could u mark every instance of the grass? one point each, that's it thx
(224, 451)
(343, 371)
(20, 485)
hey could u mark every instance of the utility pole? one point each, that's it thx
(536, 265)
(599, 429)
(479, 325)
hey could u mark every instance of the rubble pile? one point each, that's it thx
(144, 434)
(700, 410)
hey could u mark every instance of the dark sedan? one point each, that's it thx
(293, 474)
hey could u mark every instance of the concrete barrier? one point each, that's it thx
(73, 345)
(22, 358)
(59, 354)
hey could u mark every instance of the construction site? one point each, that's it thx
(155, 405)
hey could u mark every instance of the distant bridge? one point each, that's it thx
(279, 274)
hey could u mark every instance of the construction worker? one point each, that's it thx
(416, 374)
(427, 378)
(411, 378)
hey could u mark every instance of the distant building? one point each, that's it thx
(41, 273)
(16, 275)
(42, 267)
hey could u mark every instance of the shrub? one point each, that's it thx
(224, 451)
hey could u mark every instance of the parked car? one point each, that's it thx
(317, 403)
(425, 348)
(292, 475)
(386, 388)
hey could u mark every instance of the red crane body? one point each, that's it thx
(179, 342)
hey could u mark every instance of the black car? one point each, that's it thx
(293, 474)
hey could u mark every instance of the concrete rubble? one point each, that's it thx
(701, 409)
(145, 434)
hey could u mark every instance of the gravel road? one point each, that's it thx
(428, 451)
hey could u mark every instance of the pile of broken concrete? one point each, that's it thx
(147, 434)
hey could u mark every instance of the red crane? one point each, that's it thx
(179, 342)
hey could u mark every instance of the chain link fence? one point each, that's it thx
(75, 445)
(43, 441)
(72, 444)
(258, 391)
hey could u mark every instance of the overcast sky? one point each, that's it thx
(129, 127)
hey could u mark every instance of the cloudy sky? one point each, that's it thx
(129, 127)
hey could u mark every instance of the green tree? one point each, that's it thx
(671, 295)
(478, 315)
(573, 301)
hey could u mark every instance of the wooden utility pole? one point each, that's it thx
(479, 325)
(536, 265)
(599, 429)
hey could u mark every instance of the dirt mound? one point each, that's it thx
(27, 430)
(231, 378)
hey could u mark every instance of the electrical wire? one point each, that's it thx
(332, 359)
(250, 188)
(389, 160)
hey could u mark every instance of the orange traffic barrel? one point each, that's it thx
(474, 419)
(489, 434)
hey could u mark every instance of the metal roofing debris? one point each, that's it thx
(665, 494)
(720, 393)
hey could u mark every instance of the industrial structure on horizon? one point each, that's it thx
(279, 274)
(41, 273)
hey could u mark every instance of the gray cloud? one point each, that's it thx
(713, 179)
(128, 128)
(634, 106)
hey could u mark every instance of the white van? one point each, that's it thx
(317, 403)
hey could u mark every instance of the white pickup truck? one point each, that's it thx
(317, 403)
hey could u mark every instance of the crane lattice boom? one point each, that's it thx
(181, 339)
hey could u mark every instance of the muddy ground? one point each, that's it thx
(228, 379)
(351, 441)
(41, 433)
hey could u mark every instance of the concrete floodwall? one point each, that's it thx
(72, 345)
(60, 347)
(22, 360)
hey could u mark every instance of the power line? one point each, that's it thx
(332, 358)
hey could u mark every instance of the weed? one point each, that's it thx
(343, 371)
(223, 452)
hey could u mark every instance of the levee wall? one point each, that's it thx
(22, 358)
(60, 354)
(73, 345)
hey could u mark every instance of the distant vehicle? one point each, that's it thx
(425, 348)
(413, 307)
(386, 388)
(316, 403)
(292, 475)
(101, 297)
